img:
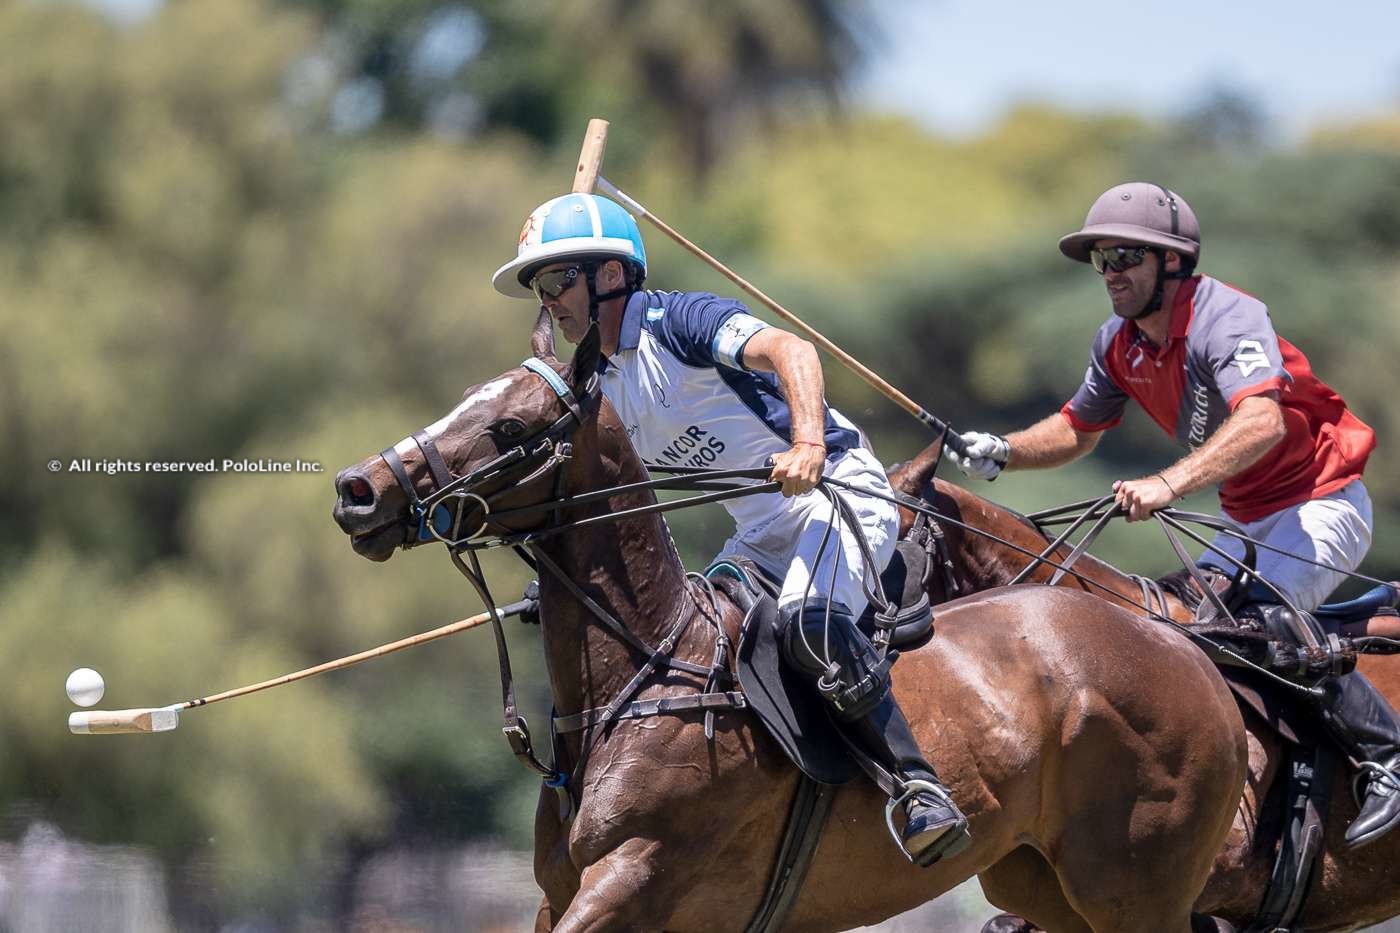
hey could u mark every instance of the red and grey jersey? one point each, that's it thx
(679, 383)
(1221, 349)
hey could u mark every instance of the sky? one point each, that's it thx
(956, 65)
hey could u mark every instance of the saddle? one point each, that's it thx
(787, 707)
(1381, 600)
(1377, 601)
(1293, 819)
(794, 715)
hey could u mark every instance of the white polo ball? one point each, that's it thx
(85, 686)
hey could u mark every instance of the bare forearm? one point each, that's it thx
(1050, 442)
(799, 370)
(800, 380)
(1246, 436)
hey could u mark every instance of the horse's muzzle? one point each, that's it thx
(374, 528)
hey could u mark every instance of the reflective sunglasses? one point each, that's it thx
(555, 282)
(1117, 258)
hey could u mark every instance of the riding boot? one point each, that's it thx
(1367, 727)
(934, 827)
(1362, 722)
(823, 641)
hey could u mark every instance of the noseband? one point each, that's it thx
(439, 514)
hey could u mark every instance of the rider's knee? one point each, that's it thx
(822, 641)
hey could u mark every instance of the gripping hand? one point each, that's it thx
(986, 454)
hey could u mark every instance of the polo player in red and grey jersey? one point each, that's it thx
(1202, 358)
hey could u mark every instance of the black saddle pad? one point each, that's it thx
(786, 705)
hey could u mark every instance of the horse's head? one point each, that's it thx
(501, 448)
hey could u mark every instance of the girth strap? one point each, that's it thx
(1308, 793)
(806, 819)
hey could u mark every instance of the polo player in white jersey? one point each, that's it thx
(698, 381)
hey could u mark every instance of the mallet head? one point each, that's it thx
(108, 722)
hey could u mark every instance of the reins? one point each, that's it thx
(1098, 511)
(1056, 516)
(432, 518)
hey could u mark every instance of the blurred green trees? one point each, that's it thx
(205, 253)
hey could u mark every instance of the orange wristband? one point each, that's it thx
(821, 447)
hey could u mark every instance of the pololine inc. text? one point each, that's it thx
(212, 465)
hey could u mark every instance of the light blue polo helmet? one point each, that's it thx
(573, 226)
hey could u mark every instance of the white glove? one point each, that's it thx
(986, 454)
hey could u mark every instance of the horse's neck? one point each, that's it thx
(986, 562)
(631, 569)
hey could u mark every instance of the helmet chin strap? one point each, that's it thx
(1162, 276)
(590, 277)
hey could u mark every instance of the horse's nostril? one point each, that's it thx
(356, 491)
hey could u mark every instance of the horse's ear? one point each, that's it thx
(585, 361)
(542, 337)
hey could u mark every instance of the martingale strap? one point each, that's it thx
(659, 657)
(516, 730)
(660, 706)
(655, 655)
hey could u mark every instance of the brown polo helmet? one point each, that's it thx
(1140, 212)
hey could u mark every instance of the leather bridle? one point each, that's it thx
(439, 514)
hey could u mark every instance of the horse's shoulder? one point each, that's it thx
(1024, 598)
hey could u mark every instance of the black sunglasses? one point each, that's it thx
(555, 282)
(1118, 258)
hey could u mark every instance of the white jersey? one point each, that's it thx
(679, 384)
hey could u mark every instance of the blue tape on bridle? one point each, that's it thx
(546, 372)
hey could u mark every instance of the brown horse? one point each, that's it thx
(1118, 768)
(1352, 888)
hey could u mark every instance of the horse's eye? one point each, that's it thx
(509, 428)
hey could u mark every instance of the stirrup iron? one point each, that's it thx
(911, 788)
